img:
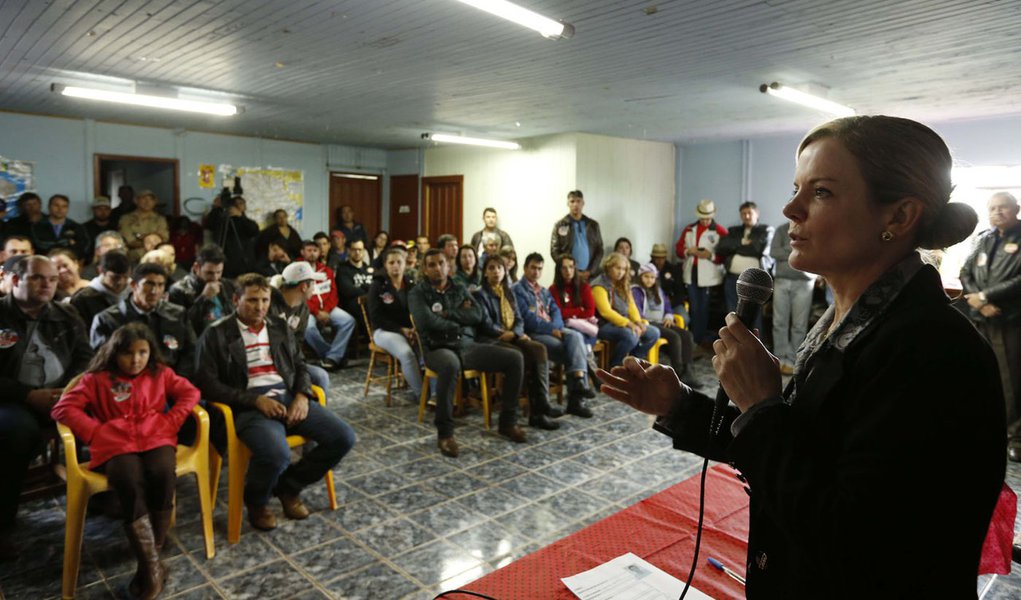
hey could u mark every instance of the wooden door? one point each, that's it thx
(443, 205)
(363, 193)
(403, 207)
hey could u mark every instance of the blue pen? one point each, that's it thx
(717, 564)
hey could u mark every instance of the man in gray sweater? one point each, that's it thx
(792, 302)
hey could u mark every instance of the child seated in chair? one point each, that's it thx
(120, 408)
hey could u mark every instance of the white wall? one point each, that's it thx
(527, 187)
(629, 188)
(63, 149)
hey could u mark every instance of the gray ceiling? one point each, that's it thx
(381, 72)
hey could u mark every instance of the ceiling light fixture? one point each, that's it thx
(470, 141)
(805, 99)
(546, 26)
(222, 109)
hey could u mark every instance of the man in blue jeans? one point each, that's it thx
(446, 317)
(250, 361)
(544, 324)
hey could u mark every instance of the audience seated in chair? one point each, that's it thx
(323, 312)
(354, 277)
(106, 289)
(43, 345)
(119, 408)
(502, 325)
(654, 306)
(620, 323)
(389, 315)
(544, 324)
(447, 317)
(289, 302)
(174, 338)
(204, 293)
(251, 363)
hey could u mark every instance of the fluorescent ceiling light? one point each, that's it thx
(211, 108)
(524, 17)
(805, 99)
(470, 141)
(356, 176)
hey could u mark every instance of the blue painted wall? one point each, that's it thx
(63, 150)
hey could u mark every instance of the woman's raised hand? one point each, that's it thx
(650, 388)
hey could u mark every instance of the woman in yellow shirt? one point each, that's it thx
(620, 324)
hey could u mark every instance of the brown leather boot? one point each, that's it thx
(152, 573)
(160, 526)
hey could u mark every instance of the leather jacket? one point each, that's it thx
(562, 241)
(175, 338)
(999, 277)
(760, 239)
(222, 367)
(58, 326)
(444, 319)
(187, 294)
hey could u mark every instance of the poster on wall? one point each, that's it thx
(16, 177)
(207, 177)
(267, 189)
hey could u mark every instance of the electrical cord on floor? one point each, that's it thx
(465, 592)
(698, 531)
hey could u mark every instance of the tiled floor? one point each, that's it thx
(411, 522)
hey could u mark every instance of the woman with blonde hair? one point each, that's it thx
(893, 388)
(619, 320)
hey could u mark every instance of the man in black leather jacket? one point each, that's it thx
(991, 278)
(43, 345)
(446, 317)
(204, 293)
(165, 319)
(251, 362)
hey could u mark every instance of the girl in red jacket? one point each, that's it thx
(119, 408)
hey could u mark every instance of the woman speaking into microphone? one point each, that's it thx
(874, 473)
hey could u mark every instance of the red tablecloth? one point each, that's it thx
(660, 529)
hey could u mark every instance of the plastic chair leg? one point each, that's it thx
(331, 491)
(484, 391)
(74, 530)
(215, 464)
(205, 506)
(425, 397)
(236, 468)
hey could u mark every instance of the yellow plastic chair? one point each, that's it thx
(239, 455)
(82, 483)
(458, 394)
(654, 351)
(392, 371)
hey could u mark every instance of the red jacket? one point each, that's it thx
(131, 419)
(582, 307)
(325, 296)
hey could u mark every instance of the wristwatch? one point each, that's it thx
(982, 298)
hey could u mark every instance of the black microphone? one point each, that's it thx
(754, 287)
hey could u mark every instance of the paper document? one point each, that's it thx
(628, 577)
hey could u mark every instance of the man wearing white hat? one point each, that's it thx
(289, 301)
(703, 269)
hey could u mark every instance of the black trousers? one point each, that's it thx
(679, 345)
(20, 441)
(143, 481)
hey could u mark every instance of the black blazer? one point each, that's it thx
(222, 367)
(879, 480)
